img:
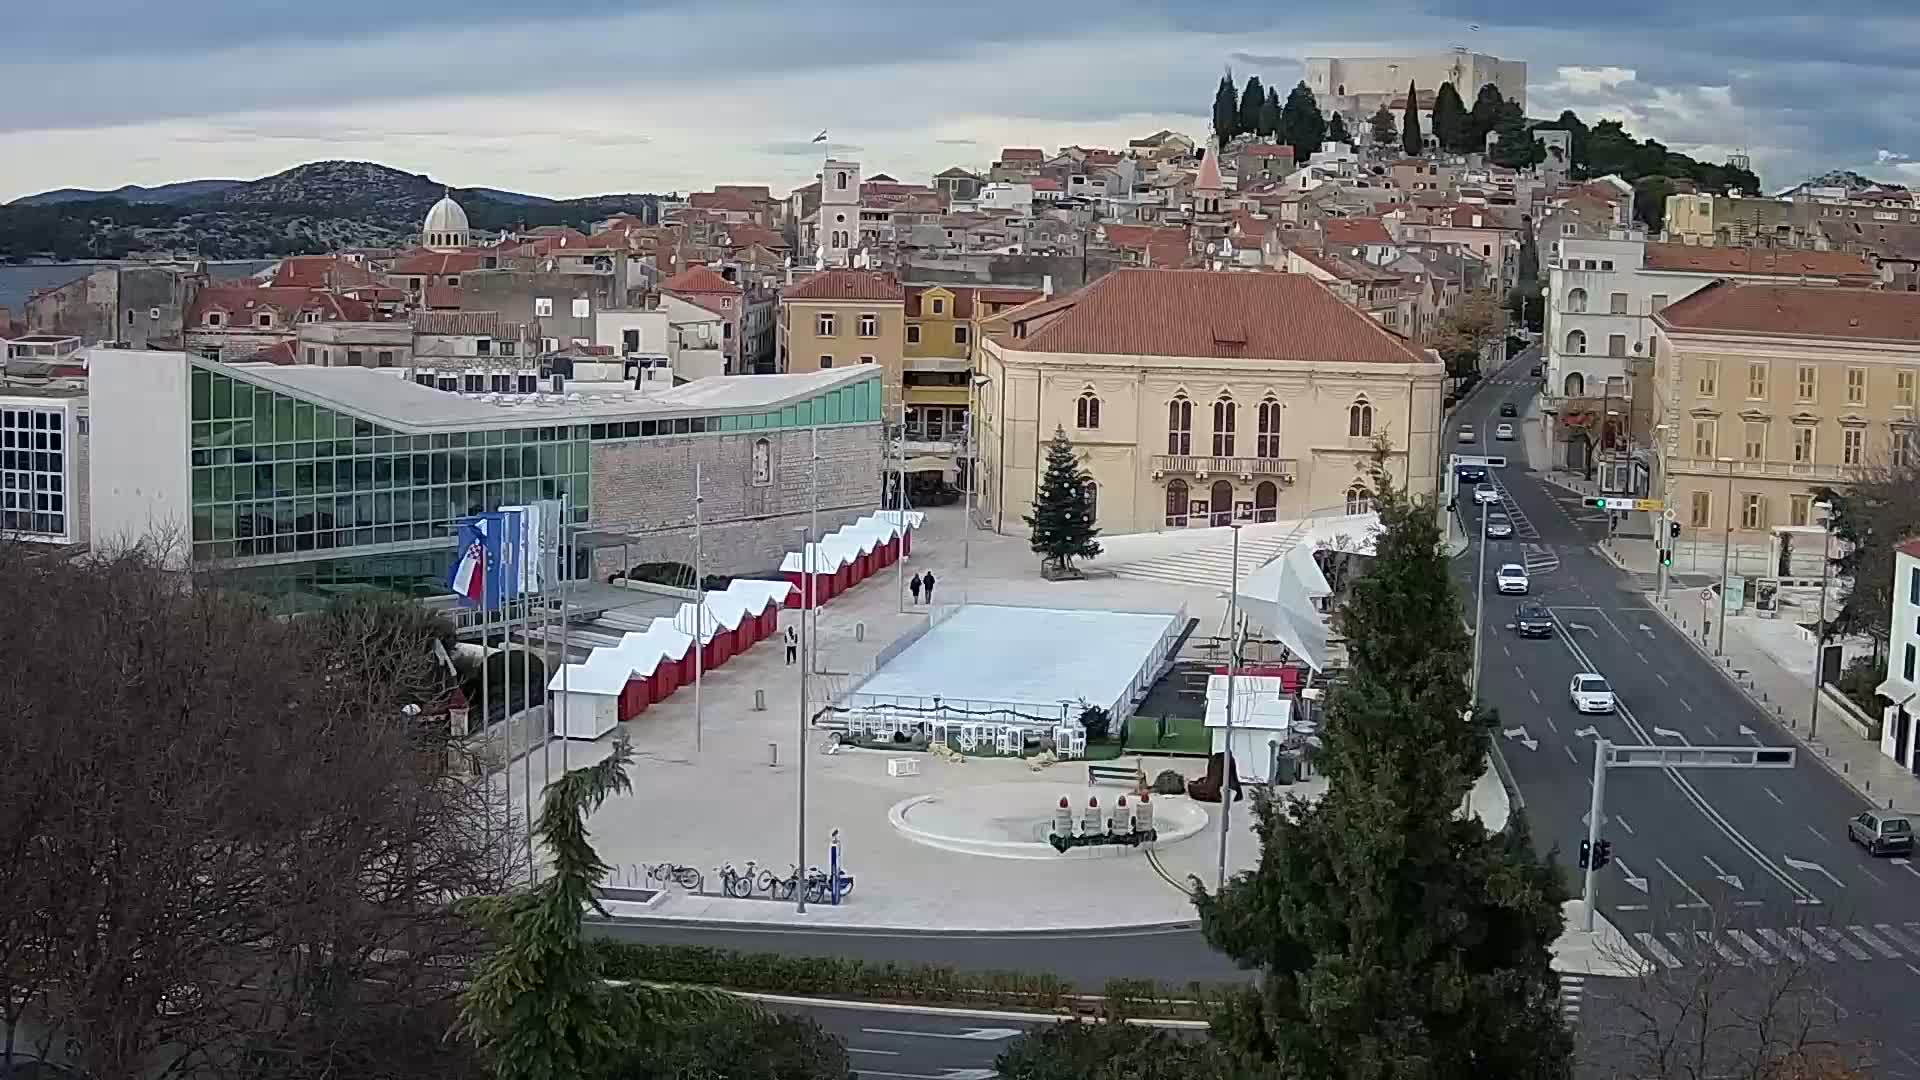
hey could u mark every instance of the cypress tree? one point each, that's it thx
(1226, 110)
(1301, 124)
(1450, 119)
(1411, 141)
(1483, 117)
(1252, 100)
(1062, 518)
(1382, 124)
(1337, 129)
(1396, 938)
(1270, 114)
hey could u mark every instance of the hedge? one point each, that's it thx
(845, 977)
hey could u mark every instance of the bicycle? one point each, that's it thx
(820, 886)
(780, 888)
(739, 884)
(687, 877)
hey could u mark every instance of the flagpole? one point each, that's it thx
(564, 509)
(900, 514)
(699, 612)
(813, 530)
(510, 590)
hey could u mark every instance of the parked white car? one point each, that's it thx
(1512, 578)
(1591, 694)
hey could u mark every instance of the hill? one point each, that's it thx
(317, 207)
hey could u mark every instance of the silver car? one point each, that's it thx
(1498, 527)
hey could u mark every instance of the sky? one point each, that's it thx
(599, 96)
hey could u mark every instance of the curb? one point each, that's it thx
(1763, 703)
(1148, 929)
(857, 1005)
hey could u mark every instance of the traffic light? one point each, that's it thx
(1586, 848)
(1603, 855)
(1594, 502)
(1673, 529)
(1666, 556)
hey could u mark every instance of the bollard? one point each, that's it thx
(773, 755)
(860, 631)
(759, 701)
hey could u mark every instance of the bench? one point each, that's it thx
(1112, 774)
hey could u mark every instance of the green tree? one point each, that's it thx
(1650, 201)
(1082, 1050)
(1252, 99)
(1450, 119)
(1062, 518)
(1270, 114)
(1384, 130)
(1301, 124)
(1871, 515)
(1337, 129)
(1395, 937)
(1484, 114)
(1517, 148)
(1411, 141)
(1226, 110)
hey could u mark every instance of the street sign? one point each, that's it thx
(1699, 757)
(1614, 502)
(1670, 514)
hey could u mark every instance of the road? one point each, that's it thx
(1730, 865)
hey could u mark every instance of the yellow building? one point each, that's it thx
(1196, 397)
(1768, 391)
(942, 352)
(840, 318)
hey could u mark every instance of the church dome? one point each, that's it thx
(446, 225)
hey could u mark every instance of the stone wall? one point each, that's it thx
(645, 487)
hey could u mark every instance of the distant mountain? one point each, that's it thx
(165, 194)
(310, 208)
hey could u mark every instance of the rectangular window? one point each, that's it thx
(1709, 378)
(1799, 509)
(1906, 665)
(1913, 586)
(823, 324)
(1753, 510)
(1703, 438)
(960, 335)
(355, 358)
(543, 307)
(1900, 448)
(826, 362)
(913, 334)
(1700, 510)
(1659, 301)
(1617, 304)
(1856, 386)
(1803, 444)
(1807, 383)
(1756, 441)
(1903, 388)
(1616, 344)
(386, 357)
(869, 325)
(1853, 446)
(1757, 380)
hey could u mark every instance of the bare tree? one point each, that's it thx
(232, 839)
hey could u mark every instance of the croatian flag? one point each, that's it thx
(469, 577)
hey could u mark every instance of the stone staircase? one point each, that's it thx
(1212, 565)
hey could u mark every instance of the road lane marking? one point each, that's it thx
(1844, 942)
(1752, 946)
(1874, 943)
(1641, 655)
(1720, 947)
(864, 1050)
(1817, 834)
(1709, 732)
(1698, 900)
(1874, 876)
(1774, 797)
(1659, 952)
(1786, 948)
(969, 1035)
(1532, 694)
(1551, 724)
(1573, 758)
(1898, 937)
(1622, 822)
(1509, 652)
(1518, 671)
(1812, 943)
(1662, 678)
(1683, 703)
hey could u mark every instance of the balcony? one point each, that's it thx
(1283, 469)
(1771, 470)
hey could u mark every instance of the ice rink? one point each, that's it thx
(1041, 657)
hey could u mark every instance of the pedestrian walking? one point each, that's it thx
(914, 585)
(928, 585)
(793, 646)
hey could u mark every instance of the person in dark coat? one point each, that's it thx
(928, 585)
(914, 585)
(793, 646)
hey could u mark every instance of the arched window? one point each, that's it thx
(1359, 419)
(1576, 384)
(1266, 502)
(1359, 500)
(1223, 424)
(1267, 444)
(1576, 341)
(1577, 300)
(1086, 412)
(1179, 427)
(840, 181)
(1177, 503)
(1220, 503)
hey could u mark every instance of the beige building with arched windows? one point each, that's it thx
(1194, 397)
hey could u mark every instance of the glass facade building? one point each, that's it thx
(34, 470)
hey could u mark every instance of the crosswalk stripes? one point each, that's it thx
(1572, 989)
(1768, 945)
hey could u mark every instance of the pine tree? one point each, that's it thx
(1384, 130)
(1270, 114)
(1411, 141)
(1062, 518)
(1226, 110)
(1252, 100)
(1517, 148)
(1485, 113)
(1395, 937)
(1450, 119)
(1301, 124)
(1337, 130)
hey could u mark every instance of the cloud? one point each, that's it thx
(1888, 157)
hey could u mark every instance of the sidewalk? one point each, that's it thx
(1786, 695)
(1533, 436)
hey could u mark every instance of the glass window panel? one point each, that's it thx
(580, 457)
(223, 484)
(202, 433)
(222, 397)
(223, 522)
(202, 394)
(202, 486)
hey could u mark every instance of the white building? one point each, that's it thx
(838, 229)
(1898, 738)
(1006, 198)
(1358, 86)
(43, 462)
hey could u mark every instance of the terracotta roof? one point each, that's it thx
(1730, 260)
(1102, 157)
(435, 263)
(240, 300)
(457, 323)
(280, 352)
(847, 285)
(1163, 245)
(1209, 178)
(1211, 314)
(722, 200)
(1045, 183)
(1344, 268)
(442, 297)
(747, 234)
(1800, 311)
(955, 173)
(756, 192)
(1350, 231)
(321, 271)
(1021, 153)
(699, 279)
(1909, 548)
(1272, 150)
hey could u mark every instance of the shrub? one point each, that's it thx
(1076, 1050)
(1097, 721)
(1169, 782)
(1857, 681)
(766, 1047)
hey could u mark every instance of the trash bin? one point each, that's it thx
(1285, 767)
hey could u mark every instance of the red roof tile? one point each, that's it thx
(280, 352)
(722, 200)
(847, 285)
(1352, 231)
(699, 279)
(1909, 547)
(321, 271)
(1045, 183)
(1021, 153)
(443, 297)
(435, 263)
(1732, 260)
(1272, 150)
(1797, 311)
(1211, 314)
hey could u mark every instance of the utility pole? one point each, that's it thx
(1479, 609)
(699, 612)
(1820, 630)
(1594, 811)
(1226, 764)
(1726, 557)
(806, 607)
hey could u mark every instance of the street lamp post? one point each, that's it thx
(1233, 655)
(1479, 608)
(1664, 539)
(806, 596)
(1820, 629)
(1726, 557)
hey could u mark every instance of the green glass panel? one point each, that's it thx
(581, 457)
(284, 409)
(202, 485)
(223, 522)
(202, 525)
(222, 398)
(202, 394)
(242, 481)
(262, 416)
(202, 433)
(323, 424)
(302, 420)
(223, 484)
